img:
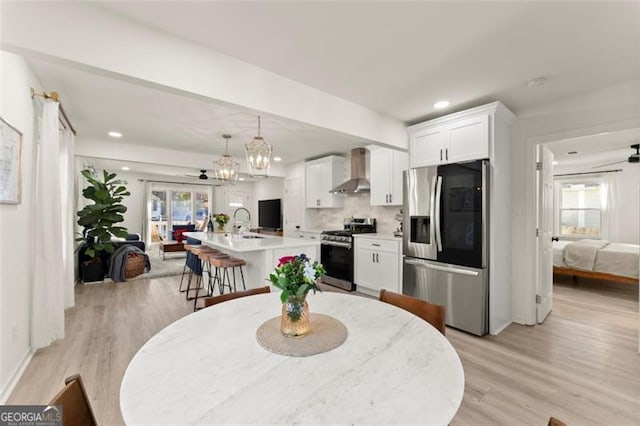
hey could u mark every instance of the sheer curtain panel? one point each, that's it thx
(48, 287)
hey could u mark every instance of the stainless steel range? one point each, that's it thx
(337, 251)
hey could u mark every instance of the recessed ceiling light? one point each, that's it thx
(441, 104)
(125, 168)
(277, 158)
(555, 163)
(240, 178)
(572, 152)
(114, 134)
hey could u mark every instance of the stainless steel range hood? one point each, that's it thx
(358, 182)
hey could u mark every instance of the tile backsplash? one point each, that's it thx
(357, 206)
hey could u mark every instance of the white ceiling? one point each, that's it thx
(149, 116)
(184, 174)
(394, 57)
(595, 149)
(400, 57)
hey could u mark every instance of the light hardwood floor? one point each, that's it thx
(581, 366)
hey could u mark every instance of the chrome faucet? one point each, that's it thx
(238, 225)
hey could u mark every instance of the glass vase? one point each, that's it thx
(295, 317)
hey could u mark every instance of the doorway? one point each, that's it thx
(587, 214)
(169, 205)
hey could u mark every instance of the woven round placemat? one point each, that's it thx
(327, 333)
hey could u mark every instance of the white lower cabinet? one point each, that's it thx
(378, 264)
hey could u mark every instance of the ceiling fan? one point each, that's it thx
(633, 158)
(202, 176)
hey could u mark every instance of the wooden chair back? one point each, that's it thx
(555, 422)
(76, 409)
(210, 301)
(431, 313)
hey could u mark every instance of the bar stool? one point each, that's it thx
(188, 260)
(205, 257)
(222, 266)
(194, 265)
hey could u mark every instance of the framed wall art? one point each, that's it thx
(10, 164)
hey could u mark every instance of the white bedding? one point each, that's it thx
(613, 258)
(618, 259)
(558, 253)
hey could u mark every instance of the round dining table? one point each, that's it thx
(209, 368)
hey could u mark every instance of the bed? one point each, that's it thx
(597, 259)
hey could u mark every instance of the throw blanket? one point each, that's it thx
(119, 261)
(582, 254)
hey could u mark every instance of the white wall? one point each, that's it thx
(16, 224)
(623, 223)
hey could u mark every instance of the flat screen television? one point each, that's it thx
(270, 214)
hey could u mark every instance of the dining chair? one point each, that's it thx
(555, 422)
(431, 313)
(210, 301)
(76, 409)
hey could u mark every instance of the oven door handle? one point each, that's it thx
(336, 244)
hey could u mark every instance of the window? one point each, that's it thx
(581, 209)
(172, 206)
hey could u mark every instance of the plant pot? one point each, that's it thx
(92, 271)
(295, 317)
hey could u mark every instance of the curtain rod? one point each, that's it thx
(589, 173)
(56, 97)
(176, 183)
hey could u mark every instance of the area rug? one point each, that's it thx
(173, 265)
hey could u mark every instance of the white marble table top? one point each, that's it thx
(208, 368)
(236, 243)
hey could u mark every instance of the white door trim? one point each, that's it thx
(531, 143)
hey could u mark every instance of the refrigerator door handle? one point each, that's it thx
(432, 208)
(437, 208)
(450, 269)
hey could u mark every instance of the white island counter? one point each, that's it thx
(261, 252)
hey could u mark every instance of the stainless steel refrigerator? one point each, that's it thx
(445, 242)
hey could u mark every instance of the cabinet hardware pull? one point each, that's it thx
(373, 257)
(440, 154)
(374, 244)
(447, 153)
(377, 258)
(391, 198)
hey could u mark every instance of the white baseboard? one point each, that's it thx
(501, 329)
(4, 394)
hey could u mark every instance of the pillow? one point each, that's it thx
(177, 235)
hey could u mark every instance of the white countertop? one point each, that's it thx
(208, 367)
(236, 243)
(378, 236)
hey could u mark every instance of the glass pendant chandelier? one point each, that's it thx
(225, 169)
(259, 155)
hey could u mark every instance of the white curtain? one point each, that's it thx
(145, 214)
(67, 191)
(610, 227)
(48, 287)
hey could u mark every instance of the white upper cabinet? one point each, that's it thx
(427, 146)
(468, 139)
(386, 167)
(322, 175)
(463, 136)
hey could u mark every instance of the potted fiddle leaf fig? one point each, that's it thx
(98, 221)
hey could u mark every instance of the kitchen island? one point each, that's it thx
(260, 251)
